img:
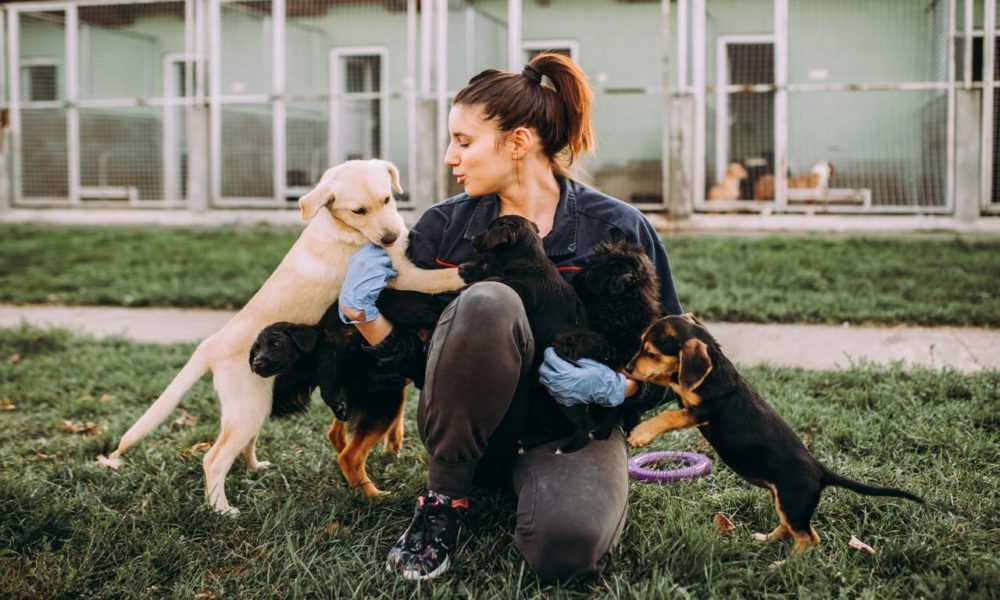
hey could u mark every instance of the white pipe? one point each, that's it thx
(781, 103)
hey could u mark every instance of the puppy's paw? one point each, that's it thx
(262, 464)
(641, 436)
(227, 510)
(109, 462)
(370, 491)
(759, 537)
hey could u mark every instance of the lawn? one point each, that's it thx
(813, 279)
(70, 529)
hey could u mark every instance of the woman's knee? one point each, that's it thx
(559, 550)
(489, 302)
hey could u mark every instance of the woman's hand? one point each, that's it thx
(368, 272)
(587, 382)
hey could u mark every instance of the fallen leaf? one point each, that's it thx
(297, 451)
(108, 462)
(859, 545)
(6, 405)
(88, 428)
(332, 528)
(196, 449)
(207, 595)
(44, 456)
(723, 524)
(186, 419)
(106, 398)
(14, 359)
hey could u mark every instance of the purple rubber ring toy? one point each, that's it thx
(697, 465)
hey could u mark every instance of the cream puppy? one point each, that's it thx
(352, 205)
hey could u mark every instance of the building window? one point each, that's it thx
(39, 82)
(533, 48)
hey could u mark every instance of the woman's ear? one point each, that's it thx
(520, 141)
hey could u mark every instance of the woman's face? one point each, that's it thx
(478, 161)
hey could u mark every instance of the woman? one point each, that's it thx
(512, 136)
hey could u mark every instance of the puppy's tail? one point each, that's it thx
(196, 366)
(831, 478)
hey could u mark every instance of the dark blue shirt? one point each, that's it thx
(584, 218)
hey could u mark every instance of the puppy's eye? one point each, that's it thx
(387, 198)
(360, 211)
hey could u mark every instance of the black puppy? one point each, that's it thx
(746, 432)
(362, 394)
(620, 290)
(511, 252)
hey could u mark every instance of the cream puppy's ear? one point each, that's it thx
(394, 173)
(322, 195)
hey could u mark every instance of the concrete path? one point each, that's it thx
(821, 347)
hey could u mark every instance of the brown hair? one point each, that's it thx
(561, 116)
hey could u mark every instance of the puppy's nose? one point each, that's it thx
(389, 238)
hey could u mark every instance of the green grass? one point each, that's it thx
(763, 279)
(70, 529)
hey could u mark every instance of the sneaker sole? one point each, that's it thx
(413, 575)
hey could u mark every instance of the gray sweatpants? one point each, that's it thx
(570, 507)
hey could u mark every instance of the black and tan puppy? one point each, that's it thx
(366, 400)
(744, 430)
(511, 251)
(620, 291)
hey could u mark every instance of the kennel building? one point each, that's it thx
(811, 106)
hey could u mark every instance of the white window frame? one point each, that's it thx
(538, 45)
(170, 143)
(337, 94)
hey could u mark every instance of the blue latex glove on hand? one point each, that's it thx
(368, 272)
(586, 382)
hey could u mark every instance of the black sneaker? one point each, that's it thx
(423, 549)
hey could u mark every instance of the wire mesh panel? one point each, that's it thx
(44, 157)
(307, 138)
(43, 161)
(740, 117)
(881, 149)
(353, 54)
(245, 47)
(247, 165)
(601, 36)
(121, 154)
(477, 39)
(868, 116)
(130, 50)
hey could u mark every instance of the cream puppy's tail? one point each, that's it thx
(158, 412)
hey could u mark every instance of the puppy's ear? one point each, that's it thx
(394, 174)
(304, 337)
(497, 237)
(695, 364)
(320, 196)
(690, 318)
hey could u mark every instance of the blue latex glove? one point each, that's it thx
(368, 272)
(586, 382)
